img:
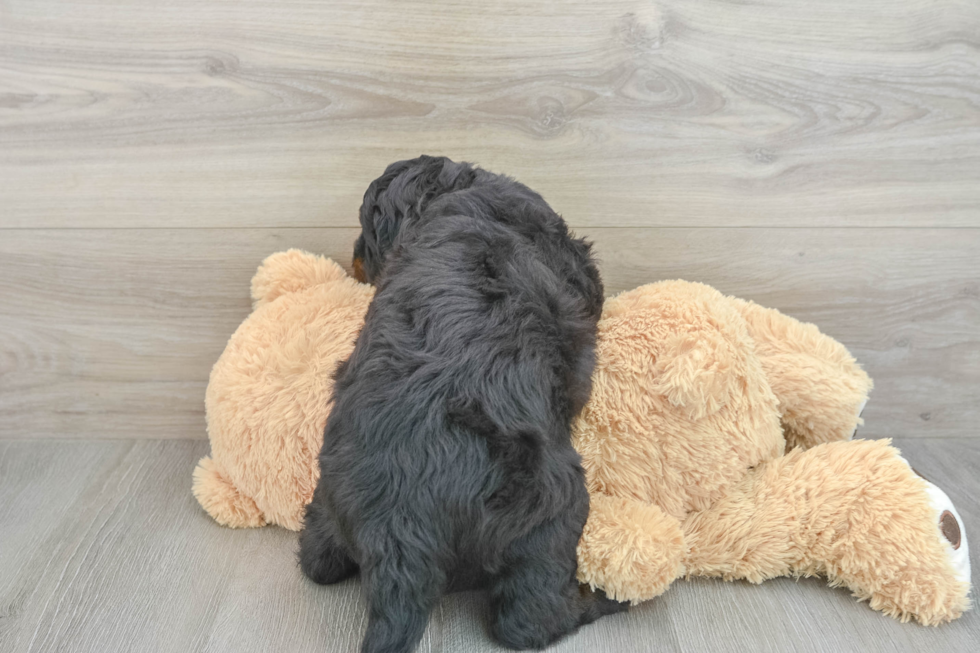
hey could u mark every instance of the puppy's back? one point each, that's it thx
(472, 341)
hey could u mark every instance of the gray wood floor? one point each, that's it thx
(103, 548)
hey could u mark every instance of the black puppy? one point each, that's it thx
(447, 462)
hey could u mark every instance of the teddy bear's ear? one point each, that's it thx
(291, 271)
(697, 372)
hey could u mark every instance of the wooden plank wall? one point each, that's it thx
(819, 157)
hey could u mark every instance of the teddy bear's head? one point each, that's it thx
(267, 398)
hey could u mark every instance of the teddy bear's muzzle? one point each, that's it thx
(950, 527)
(949, 519)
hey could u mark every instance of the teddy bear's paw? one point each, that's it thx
(950, 527)
(222, 500)
(630, 549)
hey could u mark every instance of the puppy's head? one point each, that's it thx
(396, 199)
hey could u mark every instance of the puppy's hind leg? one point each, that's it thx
(322, 555)
(402, 590)
(536, 599)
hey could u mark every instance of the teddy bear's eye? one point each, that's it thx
(950, 528)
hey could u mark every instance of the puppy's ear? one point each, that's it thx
(380, 216)
(399, 197)
(586, 279)
(403, 193)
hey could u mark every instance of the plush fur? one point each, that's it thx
(695, 398)
(447, 459)
(277, 373)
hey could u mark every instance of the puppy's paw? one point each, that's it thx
(607, 605)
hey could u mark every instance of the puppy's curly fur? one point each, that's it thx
(447, 460)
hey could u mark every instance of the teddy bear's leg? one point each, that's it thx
(222, 500)
(291, 271)
(821, 388)
(853, 511)
(630, 549)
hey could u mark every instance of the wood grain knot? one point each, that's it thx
(217, 65)
(642, 30)
(16, 100)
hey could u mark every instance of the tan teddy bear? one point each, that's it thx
(696, 397)
(716, 442)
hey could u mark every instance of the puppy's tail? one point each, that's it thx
(517, 451)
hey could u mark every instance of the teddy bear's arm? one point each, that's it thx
(853, 511)
(630, 549)
(291, 271)
(820, 387)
